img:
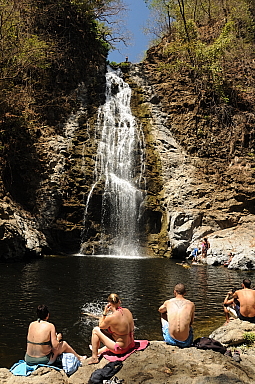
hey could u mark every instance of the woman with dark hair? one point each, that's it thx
(43, 343)
(115, 330)
(205, 246)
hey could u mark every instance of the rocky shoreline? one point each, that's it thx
(161, 363)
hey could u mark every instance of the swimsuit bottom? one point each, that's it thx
(30, 360)
(244, 318)
(118, 350)
(170, 340)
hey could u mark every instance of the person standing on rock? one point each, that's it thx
(177, 316)
(205, 246)
(246, 297)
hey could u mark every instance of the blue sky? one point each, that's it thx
(136, 19)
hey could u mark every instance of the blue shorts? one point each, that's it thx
(170, 340)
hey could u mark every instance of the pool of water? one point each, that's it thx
(74, 285)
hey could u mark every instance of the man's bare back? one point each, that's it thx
(180, 315)
(246, 297)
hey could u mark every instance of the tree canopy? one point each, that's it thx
(204, 35)
(42, 37)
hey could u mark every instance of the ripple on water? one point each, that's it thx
(72, 285)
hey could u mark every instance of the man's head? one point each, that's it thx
(247, 283)
(42, 311)
(180, 289)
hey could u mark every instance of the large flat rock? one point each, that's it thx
(159, 363)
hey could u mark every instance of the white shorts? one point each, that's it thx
(232, 312)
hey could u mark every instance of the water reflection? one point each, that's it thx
(70, 284)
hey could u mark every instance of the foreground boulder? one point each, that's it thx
(236, 332)
(159, 363)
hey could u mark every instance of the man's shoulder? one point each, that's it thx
(190, 303)
(168, 302)
(252, 291)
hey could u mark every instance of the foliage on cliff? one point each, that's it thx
(208, 46)
(45, 46)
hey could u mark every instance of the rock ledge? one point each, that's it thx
(159, 363)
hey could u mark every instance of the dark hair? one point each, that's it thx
(247, 283)
(42, 311)
(180, 288)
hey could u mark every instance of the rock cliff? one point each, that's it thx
(207, 179)
(200, 167)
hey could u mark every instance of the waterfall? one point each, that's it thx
(119, 167)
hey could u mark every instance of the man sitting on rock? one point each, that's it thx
(246, 297)
(177, 316)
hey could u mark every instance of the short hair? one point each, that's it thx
(113, 298)
(247, 283)
(180, 288)
(42, 311)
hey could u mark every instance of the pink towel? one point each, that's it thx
(140, 345)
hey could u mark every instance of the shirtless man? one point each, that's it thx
(246, 297)
(115, 330)
(180, 313)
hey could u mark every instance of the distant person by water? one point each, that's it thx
(230, 258)
(177, 316)
(194, 254)
(205, 246)
(44, 345)
(115, 330)
(246, 297)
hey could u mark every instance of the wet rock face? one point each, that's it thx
(196, 184)
(203, 191)
(19, 234)
(51, 220)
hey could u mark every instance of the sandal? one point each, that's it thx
(236, 356)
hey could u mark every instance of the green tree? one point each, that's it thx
(110, 18)
(204, 35)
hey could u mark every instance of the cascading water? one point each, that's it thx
(119, 168)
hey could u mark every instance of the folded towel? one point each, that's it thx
(22, 369)
(140, 345)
